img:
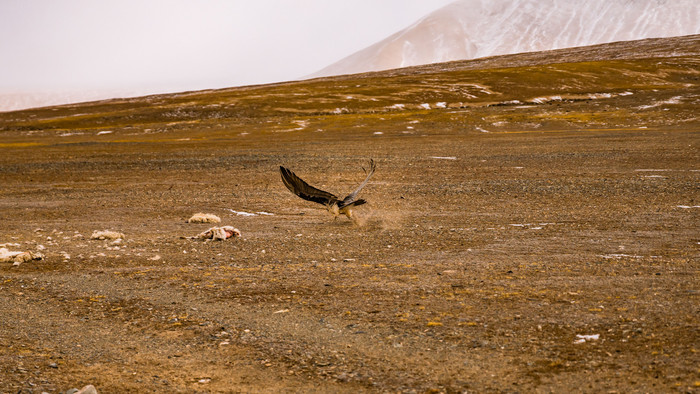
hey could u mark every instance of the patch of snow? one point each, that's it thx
(105, 132)
(532, 226)
(482, 130)
(378, 133)
(444, 157)
(302, 124)
(584, 338)
(620, 256)
(241, 213)
(543, 100)
(441, 104)
(672, 100)
(688, 206)
(425, 106)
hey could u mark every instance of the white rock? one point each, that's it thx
(106, 234)
(204, 218)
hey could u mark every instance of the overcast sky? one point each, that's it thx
(176, 45)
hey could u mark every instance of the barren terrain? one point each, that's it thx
(519, 203)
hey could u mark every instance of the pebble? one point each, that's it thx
(89, 389)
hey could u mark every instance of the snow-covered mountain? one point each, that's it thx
(468, 29)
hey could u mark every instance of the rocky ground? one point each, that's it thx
(532, 228)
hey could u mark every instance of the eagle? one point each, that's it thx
(333, 204)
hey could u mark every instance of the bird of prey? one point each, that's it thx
(333, 204)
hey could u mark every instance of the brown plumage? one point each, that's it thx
(333, 204)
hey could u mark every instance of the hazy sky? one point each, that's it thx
(175, 45)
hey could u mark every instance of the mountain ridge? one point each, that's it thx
(470, 29)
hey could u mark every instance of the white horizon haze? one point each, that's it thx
(139, 47)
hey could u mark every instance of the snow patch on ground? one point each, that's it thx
(586, 338)
(600, 95)
(302, 124)
(546, 99)
(671, 101)
(242, 213)
(532, 226)
(620, 256)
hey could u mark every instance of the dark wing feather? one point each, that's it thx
(350, 198)
(302, 189)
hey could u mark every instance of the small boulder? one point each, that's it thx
(204, 218)
(106, 234)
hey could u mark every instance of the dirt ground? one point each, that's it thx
(485, 252)
(475, 265)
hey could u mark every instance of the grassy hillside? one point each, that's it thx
(519, 92)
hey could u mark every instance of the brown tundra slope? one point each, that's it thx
(533, 225)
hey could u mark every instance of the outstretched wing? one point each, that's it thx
(350, 198)
(302, 189)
